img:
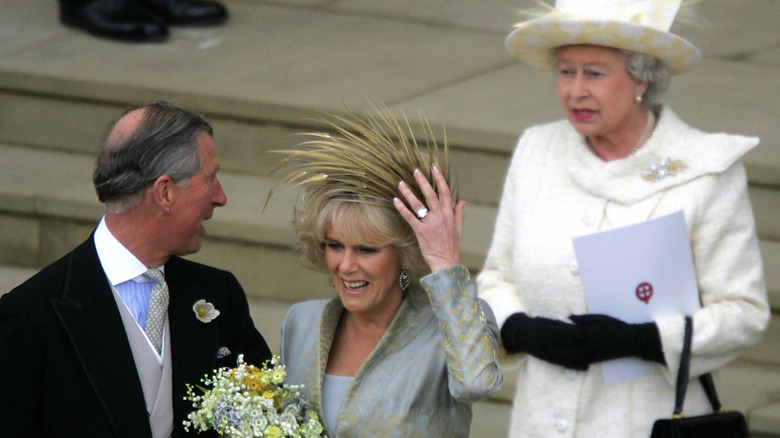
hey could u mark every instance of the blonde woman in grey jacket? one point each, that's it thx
(405, 346)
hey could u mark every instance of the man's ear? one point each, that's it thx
(164, 193)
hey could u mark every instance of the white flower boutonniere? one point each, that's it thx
(205, 311)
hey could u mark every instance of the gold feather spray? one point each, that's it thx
(364, 158)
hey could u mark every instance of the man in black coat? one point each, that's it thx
(76, 358)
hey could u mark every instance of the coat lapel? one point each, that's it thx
(88, 312)
(194, 344)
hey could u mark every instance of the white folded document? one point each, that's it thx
(637, 273)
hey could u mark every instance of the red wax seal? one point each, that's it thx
(644, 292)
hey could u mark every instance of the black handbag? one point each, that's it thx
(719, 424)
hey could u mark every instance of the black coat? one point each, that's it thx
(66, 367)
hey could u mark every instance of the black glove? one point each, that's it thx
(551, 340)
(610, 338)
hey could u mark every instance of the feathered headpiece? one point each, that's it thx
(364, 158)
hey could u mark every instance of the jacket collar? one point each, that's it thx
(194, 344)
(88, 313)
(624, 181)
(408, 321)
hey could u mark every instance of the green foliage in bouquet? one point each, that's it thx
(247, 402)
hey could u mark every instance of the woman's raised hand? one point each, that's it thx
(438, 227)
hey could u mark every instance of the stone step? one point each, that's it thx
(765, 422)
(60, 89)
(244, 145)
(770, 251)
(12, 276)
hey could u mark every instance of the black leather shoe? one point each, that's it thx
(121, 20)
(187, 12)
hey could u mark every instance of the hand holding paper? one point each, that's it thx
(635, 274)
(610, 338)
(553, 341)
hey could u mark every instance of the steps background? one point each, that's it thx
(276, 65)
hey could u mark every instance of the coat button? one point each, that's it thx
(571, 374)
(588, 219)
(561, 425)
(574, 268)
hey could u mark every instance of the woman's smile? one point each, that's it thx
(354, 287)
(365, 277)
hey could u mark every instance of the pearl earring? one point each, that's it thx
(638, 98)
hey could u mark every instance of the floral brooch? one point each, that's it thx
(662, 169)
(205, 311)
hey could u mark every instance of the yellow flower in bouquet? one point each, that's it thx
(248, 402)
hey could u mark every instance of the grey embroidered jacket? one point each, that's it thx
(432, 363)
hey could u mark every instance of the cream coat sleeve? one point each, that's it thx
(728, 265)
(495, 282)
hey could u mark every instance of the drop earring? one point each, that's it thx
(404, 279)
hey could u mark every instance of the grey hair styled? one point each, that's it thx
(649, 69)
(165, 142)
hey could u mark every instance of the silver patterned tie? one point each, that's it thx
(158, 306)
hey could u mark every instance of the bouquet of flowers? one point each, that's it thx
(247, 402)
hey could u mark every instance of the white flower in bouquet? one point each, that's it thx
(248, 402)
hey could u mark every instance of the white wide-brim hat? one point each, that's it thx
(638, 25)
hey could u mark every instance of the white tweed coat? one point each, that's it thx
(557, 189)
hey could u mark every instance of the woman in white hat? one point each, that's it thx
(619, 158)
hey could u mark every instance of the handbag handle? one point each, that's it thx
(709, 388)
(684, 372)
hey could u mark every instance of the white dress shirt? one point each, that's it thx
(125, 273)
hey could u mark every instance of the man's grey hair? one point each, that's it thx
(165, 142)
